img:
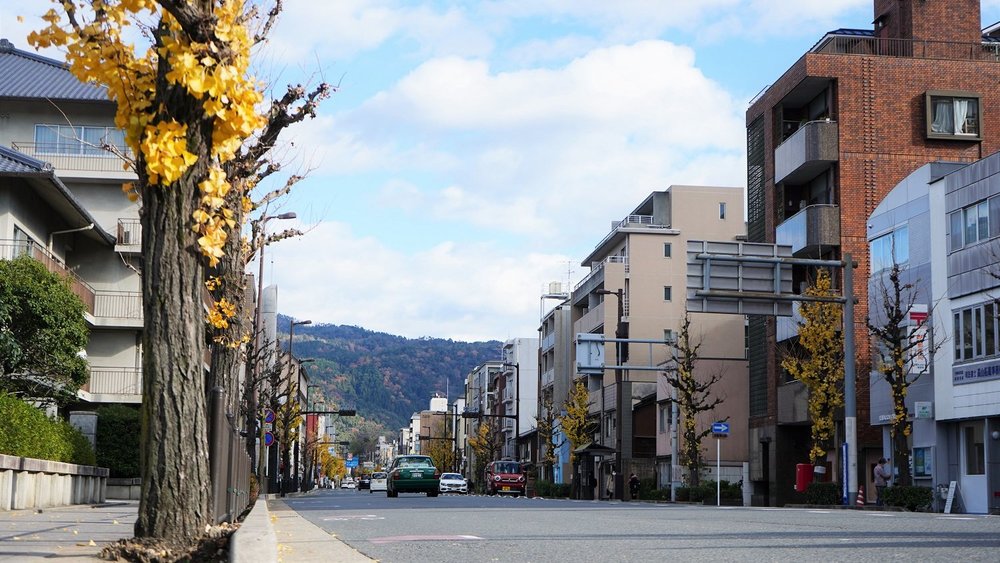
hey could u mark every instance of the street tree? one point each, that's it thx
(42, 333)
(546, 425)
(902, 351)
(695, 395)
(485, 444)
(440, 445)
(819, 362)
(573, 422)
(187, 105)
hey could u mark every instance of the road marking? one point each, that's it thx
(955, 518)
(882, 514)
(819, 511)
(394, 539)
(354, 517)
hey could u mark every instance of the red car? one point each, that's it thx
(505, 478)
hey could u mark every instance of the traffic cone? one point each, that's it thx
(861, 496)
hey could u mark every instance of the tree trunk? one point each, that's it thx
(176, 489)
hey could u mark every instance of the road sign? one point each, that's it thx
(351, 463)
(268, 416)
(742, 278)
(720, 429)
(268, 427)
(268, 438)
(590, 353)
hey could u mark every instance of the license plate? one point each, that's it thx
(416, 474)
(505, 489)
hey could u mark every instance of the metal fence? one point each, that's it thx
(229, 461)
(909, 48)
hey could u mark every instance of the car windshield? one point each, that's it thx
(408, 462)
(378, 476)
(455, 476)
(507, 467)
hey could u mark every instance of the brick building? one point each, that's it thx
(826, 142)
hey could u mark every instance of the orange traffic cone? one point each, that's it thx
(861, 496)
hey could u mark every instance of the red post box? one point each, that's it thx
(803, 476)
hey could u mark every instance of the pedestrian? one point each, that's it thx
(593, 487)
(882, 476)
(633, 486)
(611, 485)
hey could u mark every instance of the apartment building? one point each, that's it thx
(636, 289)
(519, 398)
(848, 121)
(61, 201)
(481, 404)
(556, 368)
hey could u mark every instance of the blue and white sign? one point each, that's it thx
(720, 428)
(349, 463)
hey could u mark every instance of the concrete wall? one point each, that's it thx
(36, 483)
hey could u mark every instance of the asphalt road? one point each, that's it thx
(478, 528)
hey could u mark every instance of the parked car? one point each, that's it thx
(413, 474)
(348, 483)
(379, 479)
(505, 478)
(453, 483)
(364, 482)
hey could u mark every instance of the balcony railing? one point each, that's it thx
(598, 267)
(548, 377)
(99, 303)
(88, 159)
(908, 48)
(548, 341)
(129, 235)
(10, 249)
(118, 381)
(807, 152)
(811, 231)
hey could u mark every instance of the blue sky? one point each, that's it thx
(476, 151)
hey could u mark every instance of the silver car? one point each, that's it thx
(453, 483)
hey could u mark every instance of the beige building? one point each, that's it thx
(644, 257)
(61, 201)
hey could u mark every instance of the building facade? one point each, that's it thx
(826, 142)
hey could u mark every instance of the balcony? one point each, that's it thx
(115, 381)
(793, 403)
(548, 377)
(129, 236)
(88, 162)
(590, 321)
(811, 231)
(809, 151)
(548, 341)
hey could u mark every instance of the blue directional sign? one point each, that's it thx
(351, 463)
(720, 428)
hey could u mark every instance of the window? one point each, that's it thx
(664, 418)
(666, 293)
(22, 242)
(952, 115)
(64, 139)
(889, 249)
(976, 331)
(975, 453)
(722, 210)
(666, 249)
(974, 223)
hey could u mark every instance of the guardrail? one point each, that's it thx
(37, 483)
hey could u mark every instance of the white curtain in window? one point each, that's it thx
(942, 117)
(961, 110)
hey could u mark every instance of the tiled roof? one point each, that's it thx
(27, 75)
(13, 162)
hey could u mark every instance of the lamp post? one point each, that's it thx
(621, 356)
(252, 388)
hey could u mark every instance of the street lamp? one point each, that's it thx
(621, 356)
(255, 367)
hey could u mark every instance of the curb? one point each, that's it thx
(255, 540)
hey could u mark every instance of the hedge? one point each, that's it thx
(29, 433)
(825, 494)
(552, 490)
(118, 428)
(910, 498)
(707, 489)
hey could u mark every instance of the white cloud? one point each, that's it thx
(547, 151)
(449, 290)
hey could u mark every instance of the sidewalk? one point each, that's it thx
(273, 532)
(68, 533)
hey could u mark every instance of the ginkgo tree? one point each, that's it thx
(190, 112)
(820, 365)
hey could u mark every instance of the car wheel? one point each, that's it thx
(391, 494)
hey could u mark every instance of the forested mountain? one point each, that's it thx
(386, 378)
